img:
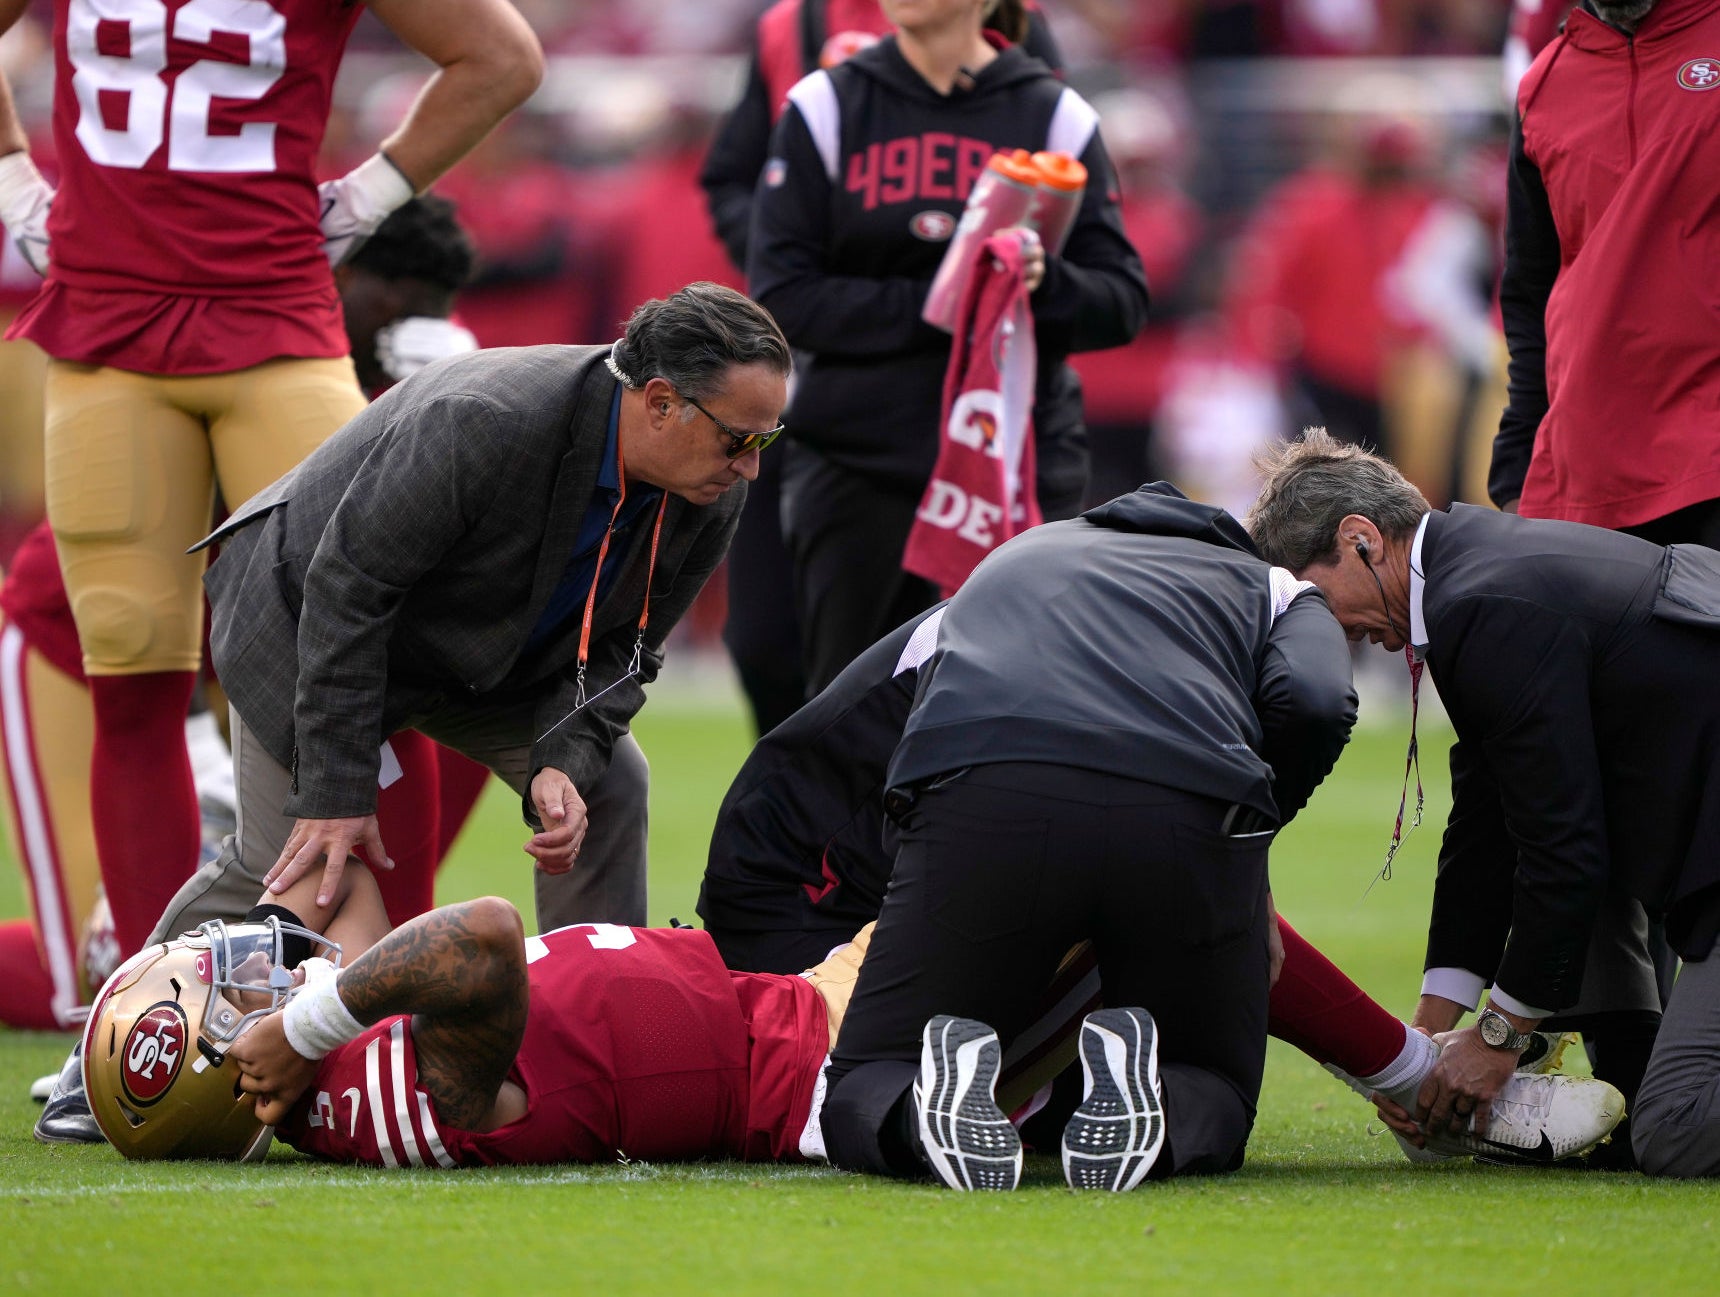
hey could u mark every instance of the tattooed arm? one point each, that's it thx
(461, 972)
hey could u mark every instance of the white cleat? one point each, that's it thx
(1537, 1120)
(964, 1136)
(1114, 1137)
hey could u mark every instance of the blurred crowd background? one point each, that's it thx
(1316, 189)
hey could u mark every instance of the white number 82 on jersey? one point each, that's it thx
(180, 113)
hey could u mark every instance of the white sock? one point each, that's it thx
(1400, 1081)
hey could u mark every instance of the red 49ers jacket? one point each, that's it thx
(1610, 299)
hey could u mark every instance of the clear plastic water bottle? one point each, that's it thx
(1001, 197)
(1056, 198)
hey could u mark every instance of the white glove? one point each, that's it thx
(411, 343)
(361, 200)
(24, 201)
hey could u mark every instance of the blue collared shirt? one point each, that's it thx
(568, 597)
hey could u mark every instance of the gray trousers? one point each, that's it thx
(605, 885)
(1675, 1129)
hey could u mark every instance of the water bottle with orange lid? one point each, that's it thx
(1061, 184)
(1001, 197)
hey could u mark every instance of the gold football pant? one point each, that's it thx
(133, 461)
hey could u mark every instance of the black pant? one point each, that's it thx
(845, 534)
(782, 950)
(1695, 524)
(762, 633)
(1003, 868)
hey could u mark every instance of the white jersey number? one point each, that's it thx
(603, 936)
(182, 117)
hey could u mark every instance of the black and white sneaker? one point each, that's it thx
(964, 1136)
(1115, 1136)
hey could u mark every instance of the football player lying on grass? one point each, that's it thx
(457, 1041)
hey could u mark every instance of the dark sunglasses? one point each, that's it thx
(740, 443)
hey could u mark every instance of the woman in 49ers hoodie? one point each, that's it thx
(870, 167)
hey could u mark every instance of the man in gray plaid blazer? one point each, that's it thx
(470, 558)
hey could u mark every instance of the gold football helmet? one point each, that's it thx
(155, 1046)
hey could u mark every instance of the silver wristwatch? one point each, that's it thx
(1497, 1031)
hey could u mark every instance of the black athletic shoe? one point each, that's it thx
(66, 1118)
(964, 1136)
(1115, 1135)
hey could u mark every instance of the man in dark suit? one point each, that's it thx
(1577, 666)
(470, 557)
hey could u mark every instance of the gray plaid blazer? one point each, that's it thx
(405, 562)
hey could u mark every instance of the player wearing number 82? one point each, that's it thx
(192, 318)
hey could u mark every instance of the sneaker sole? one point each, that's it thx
(967, 1140)
(1114, 1137)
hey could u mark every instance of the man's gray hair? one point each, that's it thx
(692, 338)
(1307, 488)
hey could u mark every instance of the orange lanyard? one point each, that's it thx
(597, 575)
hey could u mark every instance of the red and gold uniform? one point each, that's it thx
(197, 343)
(639, 1043)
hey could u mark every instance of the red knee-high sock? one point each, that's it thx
(408, 813)
(27, 1003)
(1327, 1016)
(141, 796)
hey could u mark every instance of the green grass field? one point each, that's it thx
(1323, 1205)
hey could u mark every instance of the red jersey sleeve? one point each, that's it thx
(366, 1106)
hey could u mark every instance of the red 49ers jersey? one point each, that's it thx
(184, 229)
(639, 1043)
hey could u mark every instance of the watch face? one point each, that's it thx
(1495, 1030)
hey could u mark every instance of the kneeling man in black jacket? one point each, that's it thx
(1119, 712)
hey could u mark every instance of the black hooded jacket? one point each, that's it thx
(870, 168)
(742, 143)
(1140, 640)
(800, 840)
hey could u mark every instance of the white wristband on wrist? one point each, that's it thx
(316, 1019)
(375, 188)
(21, 187)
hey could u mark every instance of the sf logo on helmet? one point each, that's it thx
(153, 1052)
